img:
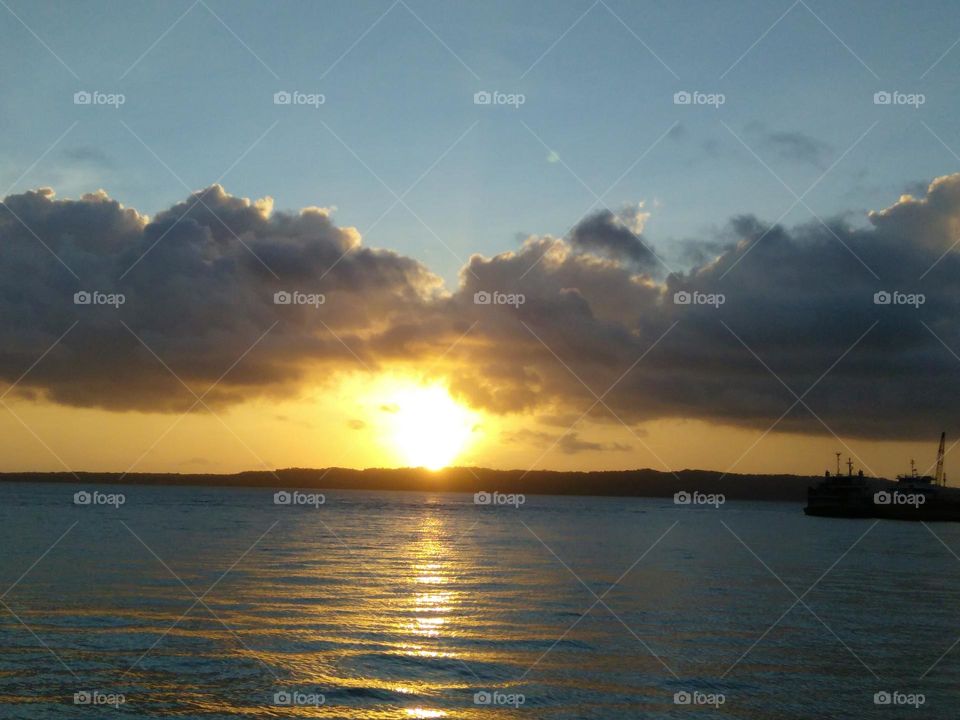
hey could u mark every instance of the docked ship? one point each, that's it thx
(911, 497)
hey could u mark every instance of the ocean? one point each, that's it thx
(223, 602)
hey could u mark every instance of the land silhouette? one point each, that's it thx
(618, 483)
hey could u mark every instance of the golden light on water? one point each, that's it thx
(431, 603)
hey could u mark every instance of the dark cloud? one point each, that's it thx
(791, 145)
(568, 443)
(800, 298)
(199, 282)
(595, 321)
(87, 155)
(799, 147)
(617, 237)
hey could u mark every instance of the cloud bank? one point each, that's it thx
(773, 313)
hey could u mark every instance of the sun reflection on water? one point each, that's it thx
(428, 612)
(424, 713)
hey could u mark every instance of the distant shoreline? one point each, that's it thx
(608, 483)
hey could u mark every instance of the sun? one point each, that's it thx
(427, 427)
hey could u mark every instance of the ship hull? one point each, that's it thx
(859, 497)
(920, 498)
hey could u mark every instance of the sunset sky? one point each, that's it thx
(384, 201)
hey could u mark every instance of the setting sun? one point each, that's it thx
(427, 427)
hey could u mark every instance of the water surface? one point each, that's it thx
(207, 602)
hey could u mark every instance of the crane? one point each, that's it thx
(939, 479)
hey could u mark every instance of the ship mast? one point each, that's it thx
(939, 476)
(838, 463)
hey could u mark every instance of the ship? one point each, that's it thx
(911, 496)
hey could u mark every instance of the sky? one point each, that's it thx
(786, 188)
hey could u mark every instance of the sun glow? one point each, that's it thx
(426, 426)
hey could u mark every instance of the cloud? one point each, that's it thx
(87, 155)
(199, 282)
(618, 237)
(798, 147)
(801, 299)
(598, 331)
(792, 145)
(568, 443)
